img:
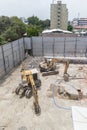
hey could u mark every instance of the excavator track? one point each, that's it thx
(50, 73)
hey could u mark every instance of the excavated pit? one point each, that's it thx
(16, 113)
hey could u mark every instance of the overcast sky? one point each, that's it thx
(41, 8)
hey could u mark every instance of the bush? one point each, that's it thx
(2, 40)
(32, 31)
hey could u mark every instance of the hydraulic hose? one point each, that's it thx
(57, 105)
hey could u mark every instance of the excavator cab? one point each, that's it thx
(25, 87)
(48, 67)
(36, 77)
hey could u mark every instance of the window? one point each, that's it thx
(58, 12)
(59, 8)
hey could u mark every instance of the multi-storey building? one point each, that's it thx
(75, 22)
(82, 21)
(80, 24)
(59, 15)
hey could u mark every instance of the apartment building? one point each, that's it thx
(59, 16)
(80, 24)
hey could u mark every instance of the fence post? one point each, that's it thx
(16, 58)
(64, 46)
(24, 45)
(24, 42)
(53, 45)
(75, 48)
(8, 63)
(86, 52)
(31, 41)
(13, 54)
(42, 47)
(19, 51)
(3, 59)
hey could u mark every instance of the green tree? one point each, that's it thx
(40, 24)
(32, 31)
(4, 23)
(46, 23)
(18, 26)
(2, 40)
(70, 28)
(11, 28)
(10, 34)
(33, 20)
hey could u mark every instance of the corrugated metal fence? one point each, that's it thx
(59, 46)
(13, 53)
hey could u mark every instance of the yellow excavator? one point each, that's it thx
(29, 85)
(48, 67)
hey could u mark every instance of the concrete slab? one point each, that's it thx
(79, 115)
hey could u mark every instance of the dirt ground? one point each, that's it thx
(18, 114)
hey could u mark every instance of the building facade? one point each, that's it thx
(80, 24)
(75, 22)
(59, 16)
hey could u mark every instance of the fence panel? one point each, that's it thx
(82, 46)
(59, 47)
(8, 56)
(2, 70)
(16, 52)
(70, 46)
(21, 49)
(37, 46)
(48, 46)
(27, 42)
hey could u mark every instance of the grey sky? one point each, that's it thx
(41, 9)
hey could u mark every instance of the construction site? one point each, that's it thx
(43, 92)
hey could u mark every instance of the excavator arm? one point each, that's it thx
(66, 66)
(35, 94)
(66, 75)
(28, 77)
